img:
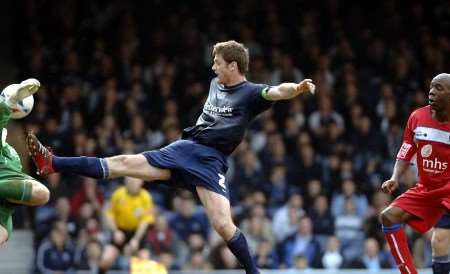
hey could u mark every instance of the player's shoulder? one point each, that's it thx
(421, 113)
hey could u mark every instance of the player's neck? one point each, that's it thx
(234, 81)
(441, 116)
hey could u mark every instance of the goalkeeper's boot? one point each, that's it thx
(42, 156)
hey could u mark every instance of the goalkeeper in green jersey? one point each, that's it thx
(16, 187)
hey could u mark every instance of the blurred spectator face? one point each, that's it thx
(371, 248)
(137, 125)
(324, 62)
(63, 207)
(258, 211)
(258, 198)
(53, 180)
(278, 148)
(325, 104)
(197, 260)
(348, 188)
(269, 126)
(332, 244)
(187, 207)
(365, 124)
(86, 211)
(307, 155)
(314, 188)
(144, 254)
(196, 242)
(249, 158)
(305, 227)
(94, 251)
(321, 204)
(295, 201)
(58, 238)
(172, 133)
(291, 126)
(303, 139)
(300, 262)
(386, 91)
(77, 120)
(133, 185)
(166, 259)
(264, 247)
(278, 174)
(51, 126)
(346, 169)
(92, 228)
(171, 108)
(334, 161)
(349, 207)
(109, 122)
(256, 226)
(161, 223)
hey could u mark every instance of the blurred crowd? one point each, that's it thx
(305, 183)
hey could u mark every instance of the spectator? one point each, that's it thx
(332, 258)
(55, 254)
(285, 219)
(349, 193)
(87, 194)
(371, 259)
(129, 214)
(348, 227)
(323, 221)
(302, 243)
(187, 221)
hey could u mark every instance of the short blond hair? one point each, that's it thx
(233, 51)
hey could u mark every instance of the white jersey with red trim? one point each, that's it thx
(429, 140)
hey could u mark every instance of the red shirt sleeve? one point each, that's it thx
(408, 148)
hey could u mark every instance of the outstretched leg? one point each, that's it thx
(100, 168)
(219, 214)
(392, 219)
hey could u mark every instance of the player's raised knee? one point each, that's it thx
(40, 194)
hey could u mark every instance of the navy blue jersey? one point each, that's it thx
(226, 115)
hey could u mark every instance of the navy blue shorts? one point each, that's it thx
(444, 221)
(192, 164)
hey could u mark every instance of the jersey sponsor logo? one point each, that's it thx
(426, 150)
(404, 150)
(222, 181)
(432, 134)
(222, 111)
(434, 165)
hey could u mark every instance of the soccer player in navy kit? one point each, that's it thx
(199, 159)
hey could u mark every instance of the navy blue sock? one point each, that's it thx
(239, 247)
(86, 166)
(441, 265)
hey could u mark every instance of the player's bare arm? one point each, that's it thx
(400, 168)
(286, 91)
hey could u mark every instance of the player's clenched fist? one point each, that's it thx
(389, 186)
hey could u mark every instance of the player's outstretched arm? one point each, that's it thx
(17, 92)
(287, 91)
